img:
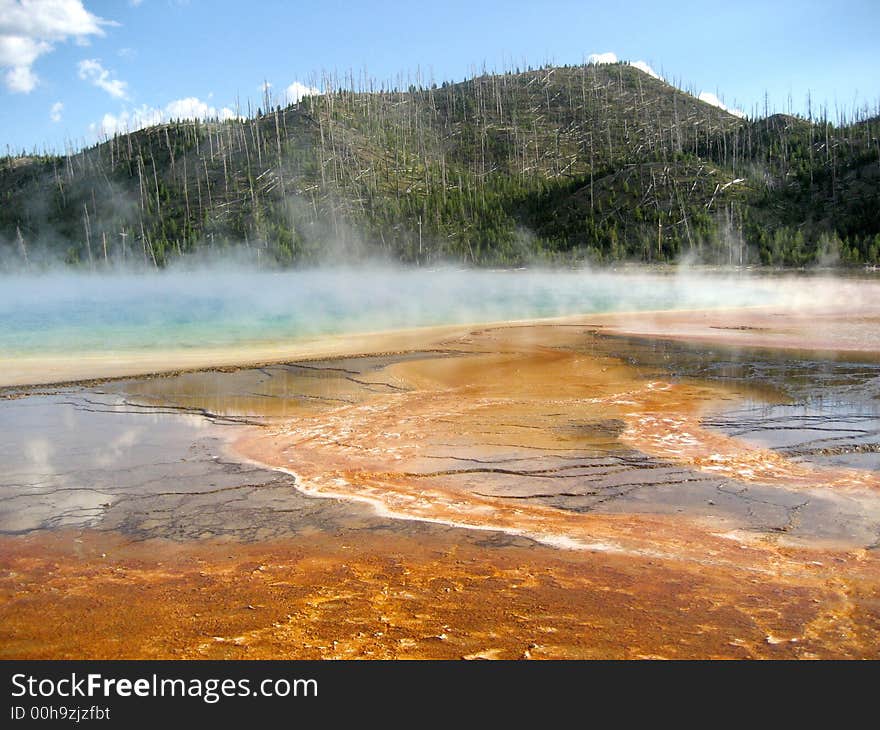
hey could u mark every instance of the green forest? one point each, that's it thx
(598, 163)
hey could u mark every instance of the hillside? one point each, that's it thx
(556, 164)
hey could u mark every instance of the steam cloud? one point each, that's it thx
(227, 305)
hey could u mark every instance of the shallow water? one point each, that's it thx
(68, 313)
(86, 459)
(802, 405)
(146, 455)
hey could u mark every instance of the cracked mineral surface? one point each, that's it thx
(538, 491)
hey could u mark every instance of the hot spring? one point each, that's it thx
(75, 314)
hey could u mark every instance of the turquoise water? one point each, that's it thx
(79, 313)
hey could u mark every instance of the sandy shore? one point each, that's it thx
(59, 369)
(838, 332)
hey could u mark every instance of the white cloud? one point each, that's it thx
(91, 70)
(17, 54)
(130, 120)
(52, 20)
(126, 121)
(31, 28)
(55, 111)
(599, 58)
(194, 108)
(710, 98)
(296, 91)
(293, 94)
(20, 79)
(20, 51)
(642, 66)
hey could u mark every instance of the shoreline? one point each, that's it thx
(736, 327)
(825, 315)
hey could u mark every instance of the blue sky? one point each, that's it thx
(72, 69)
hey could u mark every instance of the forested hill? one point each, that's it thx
(602, 162)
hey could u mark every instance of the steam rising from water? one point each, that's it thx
(64, 312)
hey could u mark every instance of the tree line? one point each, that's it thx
(555, 164)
